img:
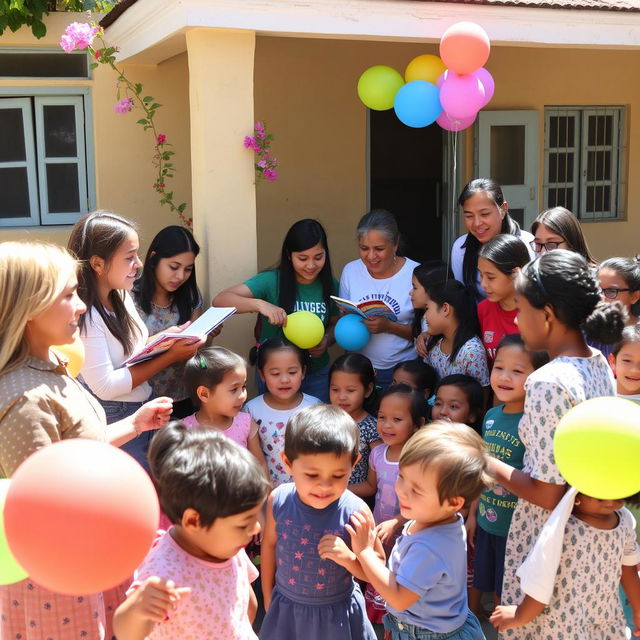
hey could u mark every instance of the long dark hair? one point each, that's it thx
(168, 243)
(565, 281)
(100, 234)
(302, 235)
(471, 244)
(461, 300)
(427, 274)
(361, 366)
(567, 226)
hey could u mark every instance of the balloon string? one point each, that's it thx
(452, 214)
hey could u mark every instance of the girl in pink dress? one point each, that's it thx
(216, 381)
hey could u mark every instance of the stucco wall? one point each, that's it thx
(123, 151)
(305, 90)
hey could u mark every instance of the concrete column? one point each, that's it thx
(221, 67)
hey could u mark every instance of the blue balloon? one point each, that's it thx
(417, 103)
(351, 333)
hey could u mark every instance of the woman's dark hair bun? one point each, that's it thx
(606, 322)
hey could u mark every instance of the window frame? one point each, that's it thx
(64, 95)
(581, 149)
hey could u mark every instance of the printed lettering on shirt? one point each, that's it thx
(319, 308)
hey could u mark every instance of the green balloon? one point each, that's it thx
(10, 570)
(378, 86)
(597, 447)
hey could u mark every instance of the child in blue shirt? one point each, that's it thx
(442, 467)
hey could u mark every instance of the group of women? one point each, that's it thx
(50, 292)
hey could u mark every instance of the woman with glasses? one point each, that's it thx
(558, 228)
(485, 214)
(620, 282)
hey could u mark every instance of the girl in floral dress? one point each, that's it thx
(558, 300)
(166, 295)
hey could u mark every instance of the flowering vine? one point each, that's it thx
(82, 35)
(265, 164)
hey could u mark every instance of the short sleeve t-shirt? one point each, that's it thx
(219, 599)
(272, 424)
(384, 350)
(500, 432)
(495, 323)
(433, 564)
(264, 286)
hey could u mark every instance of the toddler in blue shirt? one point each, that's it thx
(442, 468)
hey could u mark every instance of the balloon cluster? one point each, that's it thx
(449, 89)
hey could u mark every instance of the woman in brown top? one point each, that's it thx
(40, 403)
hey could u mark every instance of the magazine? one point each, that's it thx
(365, 309)
(203, 326)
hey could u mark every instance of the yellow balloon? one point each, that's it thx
(73, 353)
(304, 329)
(597, 447)
(425, 67)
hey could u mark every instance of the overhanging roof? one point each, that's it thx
(148, 31)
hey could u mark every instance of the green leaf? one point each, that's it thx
(147, 99)
(155, 105)
(142, 121)
(138, 88)
(39, 29)
(93, 65)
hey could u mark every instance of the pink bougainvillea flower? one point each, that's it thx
(271, 174)
(259, 129)
(262, 164)
(78, 35)
(161, 139)
(123, 106)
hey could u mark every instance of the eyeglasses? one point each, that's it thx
(612, 292)
(547, 246)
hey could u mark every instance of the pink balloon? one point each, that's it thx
(464, 47)
(455, 124)
(487, 82)
(441, 78)
(461, 96)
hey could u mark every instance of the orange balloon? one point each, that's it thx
(73, 353)
(464, 47)
(80, 516)
(424, 67)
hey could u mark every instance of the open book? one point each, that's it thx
(203, 326)
(366, 308)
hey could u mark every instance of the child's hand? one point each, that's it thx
(504, 617)
(156, 597)
(386, 530)
(335, 548)
(636, 623)
(421, 344)
(362, 532)
(471, 525)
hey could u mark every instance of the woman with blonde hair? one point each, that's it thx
(40, 403)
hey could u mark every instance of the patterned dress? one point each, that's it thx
(585, 604)
(368, 428)
(550, 392)
(314, 599)
(470, 360)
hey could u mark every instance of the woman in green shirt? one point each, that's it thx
(303, 281)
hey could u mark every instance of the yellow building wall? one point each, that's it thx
(306, 91)
(123, 151)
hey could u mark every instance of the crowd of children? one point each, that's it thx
(367, 503)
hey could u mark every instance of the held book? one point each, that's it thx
(203, 326)
(365, 309)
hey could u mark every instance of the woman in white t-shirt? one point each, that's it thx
(382, 279)
(111, 330)
(485, 214)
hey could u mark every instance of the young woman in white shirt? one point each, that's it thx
(111, 330)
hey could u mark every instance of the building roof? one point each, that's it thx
(584, 5)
